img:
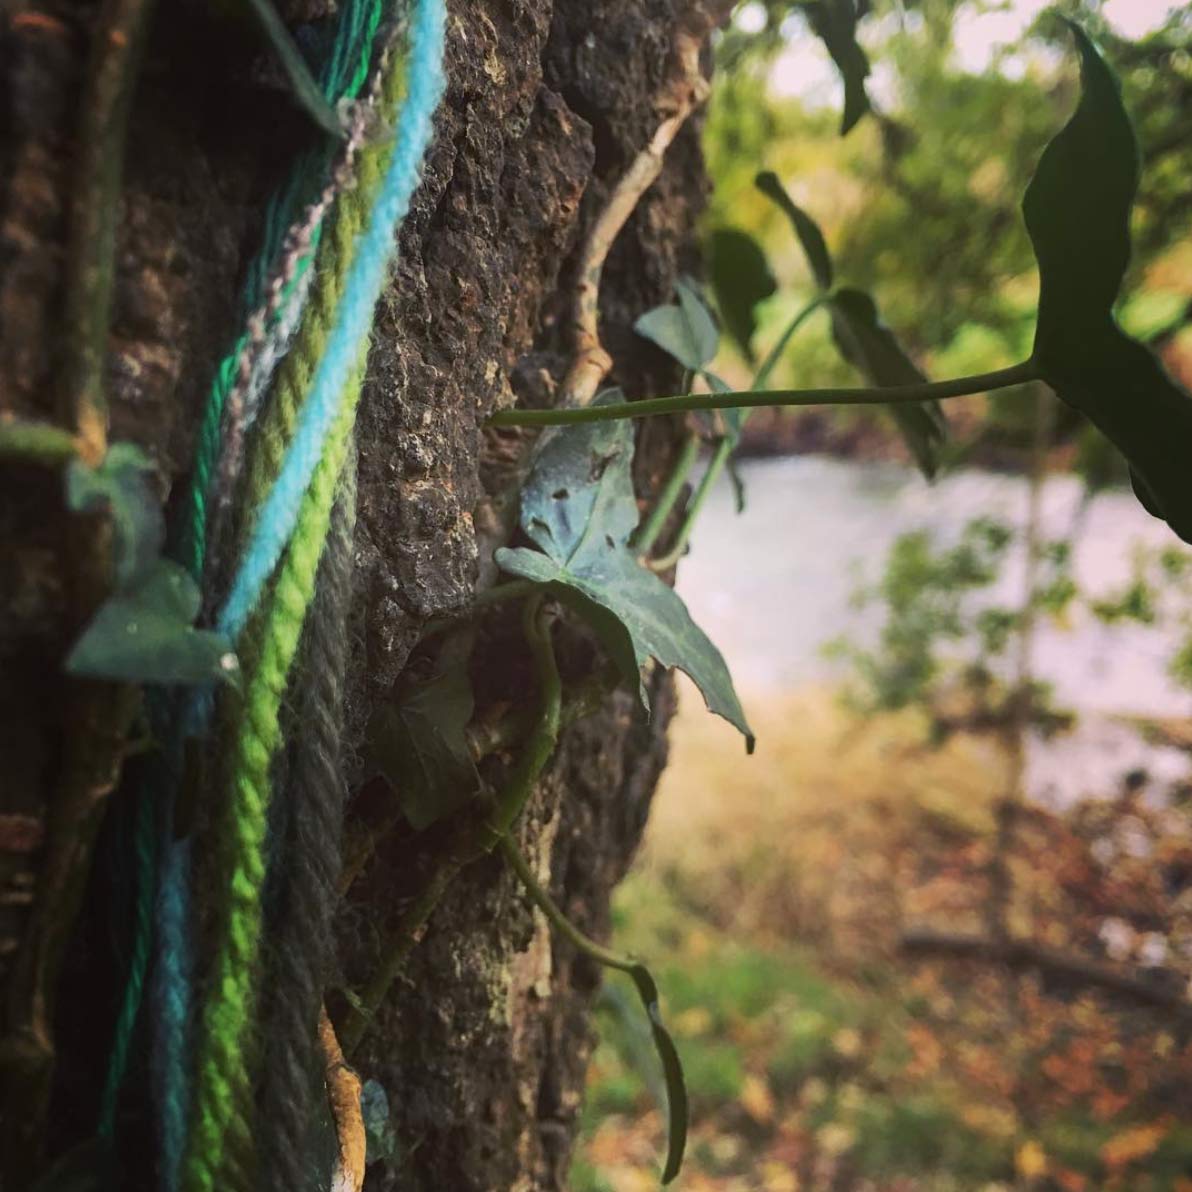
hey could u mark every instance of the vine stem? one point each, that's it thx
(96, 715)
(724, 448)
(517, 589)
(474, 838)
(652, 527)
(555, 916)
(686, 460)
(775, 353)
(115, 56)
(545, 734)
(1017, 374)
(484, 739)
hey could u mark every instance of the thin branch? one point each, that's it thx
(683, 93)
(1023, 956)
(1017, 374)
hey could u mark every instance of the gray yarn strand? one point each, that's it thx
(302, 951)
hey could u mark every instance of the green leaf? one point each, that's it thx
(420, 745)
(578, 506)
(120, 487)
(806, 229)
(687, 331)
(307, 92)
(835, 22)
(1077, 211)
(672, 1071)
(741, 278)
(145, 634)
(874, 351)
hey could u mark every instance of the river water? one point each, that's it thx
(772, 585)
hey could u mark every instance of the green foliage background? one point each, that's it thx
(920, 201)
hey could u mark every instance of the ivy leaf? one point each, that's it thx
(1077, 211)
(672, 1071)
(874, 351)
(806, 229)
(306, 91)
(420, 746)
(145, 634)
(120, 487)
(741, 278)
(835, 23)
(578, 507)
(686, 331)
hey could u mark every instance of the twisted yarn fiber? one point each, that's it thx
(145, 850)
(342, 76)
(220, 1144)
(302, 948)
(293, 520)
(370, 261)
(275, 430)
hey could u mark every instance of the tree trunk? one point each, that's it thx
(482, 1044)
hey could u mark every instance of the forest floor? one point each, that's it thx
(770, 899)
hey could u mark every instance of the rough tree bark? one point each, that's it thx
(483, 1044)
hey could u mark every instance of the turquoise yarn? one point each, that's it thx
(373, 250)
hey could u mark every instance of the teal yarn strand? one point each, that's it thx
(343, 75)
(372, 254)
(352, 51)
(174, 980)
(145, 846)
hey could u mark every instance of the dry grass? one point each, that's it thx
(811, 837)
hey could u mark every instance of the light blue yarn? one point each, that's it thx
(373, 249)
(274, 526)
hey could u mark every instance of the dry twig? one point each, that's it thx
(683, 93)
(343, 1095)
